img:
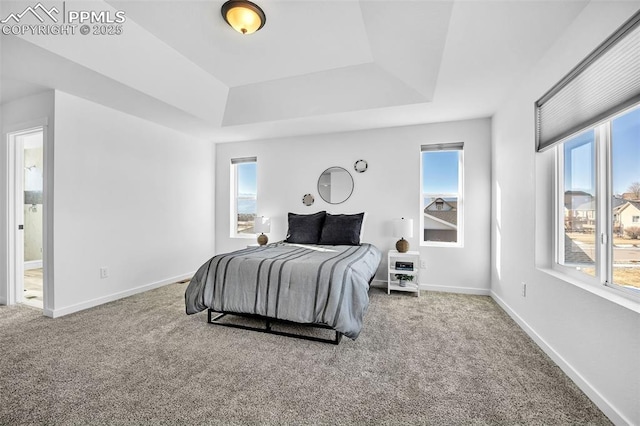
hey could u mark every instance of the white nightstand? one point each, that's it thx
(392, 282)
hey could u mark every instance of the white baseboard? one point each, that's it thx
(32, 264)
(609, 410)
(440, 288)
(56, 313)
(460, 290)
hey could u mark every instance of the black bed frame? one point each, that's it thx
(268, 321)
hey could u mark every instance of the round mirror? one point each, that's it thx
(335, 185)
(360, 166)
(308, 199)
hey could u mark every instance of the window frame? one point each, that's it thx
(604, 262)
(233, 192)
(458, 147)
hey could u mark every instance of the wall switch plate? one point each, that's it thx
(524, 289)
(104, 272)
(423, 264)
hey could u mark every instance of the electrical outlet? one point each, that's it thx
(423, 264)
(104, 272)
(524, 289)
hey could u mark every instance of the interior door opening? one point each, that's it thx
(26, 210)
(33, 165)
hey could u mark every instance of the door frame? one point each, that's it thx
(15, 215)
(16, 220)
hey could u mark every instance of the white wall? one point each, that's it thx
(131, 196)
(288, 168)
(594, 340)
(28, 112)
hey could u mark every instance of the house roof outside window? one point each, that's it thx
(448, 211)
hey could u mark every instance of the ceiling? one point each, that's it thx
(317, 66)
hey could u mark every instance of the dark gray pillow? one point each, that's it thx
(305, 228)
(342, 229)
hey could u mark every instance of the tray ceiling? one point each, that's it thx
(316, 66)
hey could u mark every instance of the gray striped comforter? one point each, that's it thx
(302, 283)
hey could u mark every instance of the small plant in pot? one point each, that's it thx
(403, 278)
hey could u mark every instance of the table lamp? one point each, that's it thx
(262, 224)
(402, 228)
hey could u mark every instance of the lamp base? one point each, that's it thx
(402, 245)
(262, 239)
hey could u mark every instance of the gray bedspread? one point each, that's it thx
(302, 283)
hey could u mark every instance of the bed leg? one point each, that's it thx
(211, 320)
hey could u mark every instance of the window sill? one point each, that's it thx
(608, 294)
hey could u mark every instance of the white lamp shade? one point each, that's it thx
(262, 224)
(403, 228)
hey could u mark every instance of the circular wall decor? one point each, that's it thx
(360, 166)
(335, 185)
(308, 199)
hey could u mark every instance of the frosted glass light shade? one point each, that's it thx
(403, 228)
(243, 16)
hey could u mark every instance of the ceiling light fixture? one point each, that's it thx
(243, 16)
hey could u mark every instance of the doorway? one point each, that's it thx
(26, 150)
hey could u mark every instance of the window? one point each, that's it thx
(597, 170)
(441, 209)
(592, 120)
(244, 196)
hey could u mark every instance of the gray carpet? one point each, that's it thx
(440, 359)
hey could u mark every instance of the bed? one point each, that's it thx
(322, 285)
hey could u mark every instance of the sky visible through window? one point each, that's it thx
(440, 172)
(579, 163)
(247, 187)
(625, 134)
(247, 179)
(625, 153)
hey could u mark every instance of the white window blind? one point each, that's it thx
(606, 82)
(454, 146)
(244, 160)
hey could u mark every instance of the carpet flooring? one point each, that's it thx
(441, 359)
